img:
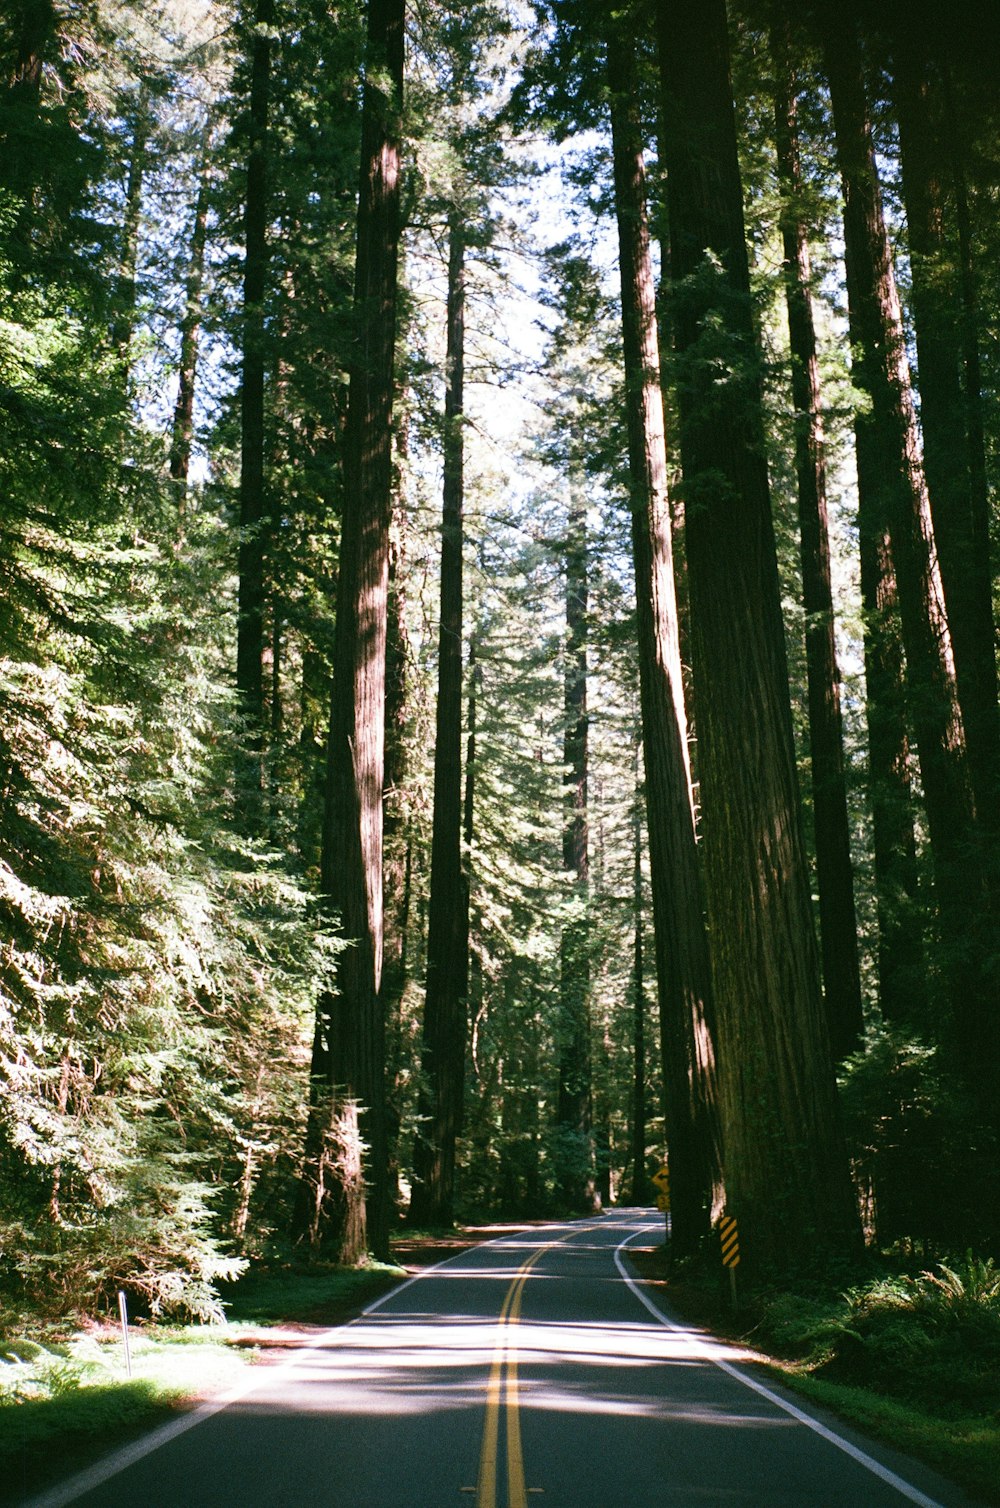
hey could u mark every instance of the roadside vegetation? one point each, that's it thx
(65, 1393)
(908, 1353)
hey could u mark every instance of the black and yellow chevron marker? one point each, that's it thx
(729, 1237)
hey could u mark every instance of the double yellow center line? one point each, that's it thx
(505, 1358)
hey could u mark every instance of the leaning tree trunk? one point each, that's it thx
(253, 520)
(893, 500)
(349, 1054)
(682, 965)
(834, 871)
(574, 1110)
(445, 1001)
(786, 1170)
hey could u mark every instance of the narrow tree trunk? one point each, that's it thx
(900, 913)
(124, 324)
(574, 1109)
(351, 1037)
(252, 497)
(893, 499)
(637, 1130)
(397, 836)
(682, 966)
(182, 430)
(445, 1002)
(786, 1170)
(834, 873)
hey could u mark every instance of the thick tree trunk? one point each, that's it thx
(786, 1170)
(445, 1002)
(351, 868)
(834, 872)
(682, 965)
(574, 1110)
(182, 430)
(893, 500)
(252, 498)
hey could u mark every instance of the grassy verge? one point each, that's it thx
(65, 1397)
(913, 1360)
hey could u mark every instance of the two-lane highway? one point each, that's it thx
(530, 1370)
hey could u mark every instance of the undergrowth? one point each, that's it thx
(911, 1357)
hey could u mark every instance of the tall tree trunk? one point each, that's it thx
(901, 963)
(637, 1129)
(252, 495)
(445, 1002)
(893, 499)
(932, 216)
(682, 965)
(397, 836)
(182, 430)
(351, 1038)
(786, 1169)
(834, 873)
(574, 1110)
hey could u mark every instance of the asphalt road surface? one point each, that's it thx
(531, 1370)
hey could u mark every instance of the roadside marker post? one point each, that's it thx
(123, 1312)
(662, 1180)
(730, 1242)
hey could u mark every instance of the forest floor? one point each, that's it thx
(922, 1378)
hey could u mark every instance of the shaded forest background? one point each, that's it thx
(497, 646)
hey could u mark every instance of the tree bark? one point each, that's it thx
(961, 530)
(575, 1110)
(445, 1002)
(351, 1048)
(252, 496)
(637, 1129)
(834, 871)
(893, 500)
(682, 964)
(786, 1170)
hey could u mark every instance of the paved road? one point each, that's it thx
(530, 1370)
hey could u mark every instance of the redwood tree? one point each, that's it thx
(786, 1169)
(349, 1051)
(444, 1036)
(834, 874)
(682, 968)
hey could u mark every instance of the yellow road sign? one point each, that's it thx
(662, 1179)
(663, 1202)
(730, 1241)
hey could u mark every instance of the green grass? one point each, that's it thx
(66, 1400)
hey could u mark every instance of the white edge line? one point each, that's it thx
(72, 1488)
(913, 1494)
